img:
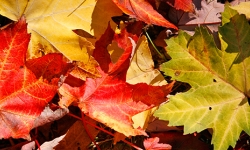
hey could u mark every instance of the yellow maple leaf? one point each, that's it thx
(51, 22)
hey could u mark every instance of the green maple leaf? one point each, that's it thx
(219, 79)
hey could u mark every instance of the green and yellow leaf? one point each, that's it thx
(219, 81)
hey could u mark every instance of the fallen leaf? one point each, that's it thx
(49, 66)
(237, 2)
(84, 70)
(209, 13)
(243, 8)
(142, 10)
(46, 17)
(153, 144)
(160, 40)
(29, 146)
(185, 5)
(51, 144)
(13, 9)
(205, 13)
(77, 137)
(141, 70)
(101, 97)
(227, 14)
(118, 137)
(218, 79)
(183, 142)
(49, 115)
(19, 87)
(158, 126)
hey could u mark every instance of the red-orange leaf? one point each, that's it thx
(49, 66)
(110, 99)
(142, 10)
(185, 5)
(22, 95)
(153, 144)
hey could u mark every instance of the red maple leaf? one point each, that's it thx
(185, 5)
(23, 96)
(142, 10)
(110, 99)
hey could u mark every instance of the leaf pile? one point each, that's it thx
(100, 97)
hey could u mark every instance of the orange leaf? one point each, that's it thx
(185, 5)
(142, 10)
(110, 99)
(118, 137)
(22, 96)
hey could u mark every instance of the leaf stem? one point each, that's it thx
(196, 24)
(38, 145)
(156, 49)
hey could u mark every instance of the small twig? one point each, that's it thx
(38, 145)
(11, 141)
(125, 141)
(161, 55)
(196, 24)
(34, 138)
(87, 131)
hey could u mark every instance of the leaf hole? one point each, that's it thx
(177, 73)
(4, 21)
(214, 80)
(210, 108)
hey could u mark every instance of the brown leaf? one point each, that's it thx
(77, 137)
(118, 137)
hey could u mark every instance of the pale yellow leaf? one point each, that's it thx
(12, 9)
(51, 24)
(144, 118)
(54, 20)
(243, 8)
(142, 70)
